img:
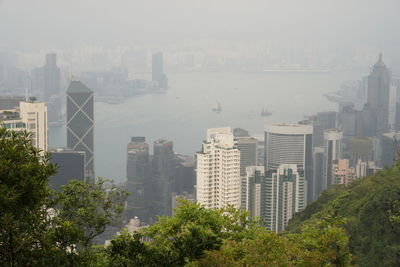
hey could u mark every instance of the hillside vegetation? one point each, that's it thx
(369, 209)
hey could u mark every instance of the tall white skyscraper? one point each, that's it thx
(290, 144)
(333, 151)
(218, 170)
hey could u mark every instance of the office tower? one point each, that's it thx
(239, 132)
(378, 93)
(390, 145)
(318, 168)
(138, 172)
(323, 121)
(185, 175)
(163, 176)
(80, 120)
(347, 120)
(290, 144)
(342, 172)
(248, 147)
(218, 170)
(31, 116)
(158, 74)
(285, 195)
(34, 115)
(333, 151)
(51, 76)
(71, 165)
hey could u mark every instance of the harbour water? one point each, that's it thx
(184, 112)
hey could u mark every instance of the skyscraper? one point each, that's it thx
(290, 144)
(318, 169)
(158, 74)
(51, 76)
(163, 176)
(323, 121)
(80, 120)
(248, 147)
(285, 195)
(218, 170)
(378, 93)
(333, 152)
(139, 180)
(71, 165)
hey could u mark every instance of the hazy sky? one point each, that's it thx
(62, 23)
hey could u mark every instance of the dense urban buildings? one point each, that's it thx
(218, 170)
(80, 122)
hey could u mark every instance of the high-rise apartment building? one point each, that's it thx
(218, 170)
(158, 74)
(255, 193)
(285, 195)
(290, 144)
(31, 116)
(333, 151)
(80, 122)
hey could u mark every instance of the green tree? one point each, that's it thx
(85, 209)
(24, 174)
(182, 238)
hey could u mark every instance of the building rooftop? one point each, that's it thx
(78, 87)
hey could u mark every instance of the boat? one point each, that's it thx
(218, 109)
(265, 113)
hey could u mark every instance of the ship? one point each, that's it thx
(265, 113)
(218, 109)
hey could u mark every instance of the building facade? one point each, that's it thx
(332, 151)
(80, 122)
(31, 116)
(290, 144)
(218, 170)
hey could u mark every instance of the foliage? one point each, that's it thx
(24, 173)
(85, 209)
(39, 227)
(370, 207)
(196, 236)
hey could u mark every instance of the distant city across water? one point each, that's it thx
(185, 111)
